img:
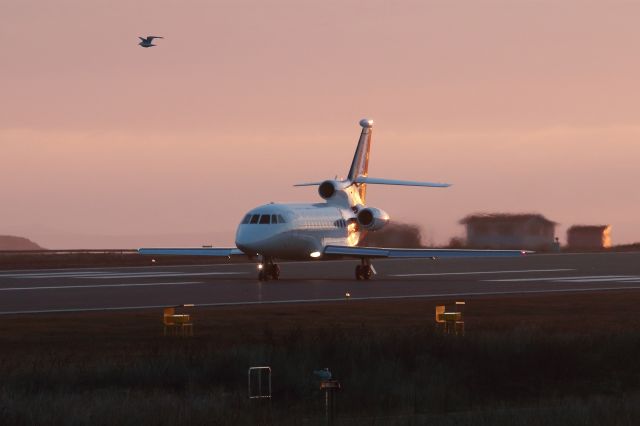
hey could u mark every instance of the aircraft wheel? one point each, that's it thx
(262, 275)
(275, 271)
(367, 272)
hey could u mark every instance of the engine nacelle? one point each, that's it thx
(372, 219)
(328, 188)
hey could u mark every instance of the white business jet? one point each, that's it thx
(327, 230)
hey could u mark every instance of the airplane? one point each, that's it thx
(327, 230)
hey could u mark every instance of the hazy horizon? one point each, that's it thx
(524, 106)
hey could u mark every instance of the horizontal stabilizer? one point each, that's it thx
(379, 181)
(372, 252)
(201, 251)
(308, 184)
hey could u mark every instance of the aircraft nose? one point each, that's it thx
(246, 240)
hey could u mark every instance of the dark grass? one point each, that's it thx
(543, 360)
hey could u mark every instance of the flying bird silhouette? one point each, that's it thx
(147, 42)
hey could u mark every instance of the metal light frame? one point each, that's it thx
(259, 370)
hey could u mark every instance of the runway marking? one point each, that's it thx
(67, 287)
(99, 268)
(160, 275)
(575, 279)
(437, 274)
(50, 274)
(8, 272)
(112, 275)
(337, 299)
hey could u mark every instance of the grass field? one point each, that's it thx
(568, 359)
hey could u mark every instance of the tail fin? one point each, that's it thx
(360, 164)
(359, 172)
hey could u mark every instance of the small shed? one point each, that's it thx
(589, 236)
(509, 231)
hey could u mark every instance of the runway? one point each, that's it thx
(87, 289)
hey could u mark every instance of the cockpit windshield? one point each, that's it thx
(263, 219)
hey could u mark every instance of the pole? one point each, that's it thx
(326, 407)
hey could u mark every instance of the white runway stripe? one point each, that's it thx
(112, 275)
(67, 287)
(522, 271)
(14, 272)
(53, 274)
(576, 279)
(336, 299)
(161, 275)
(598, 280)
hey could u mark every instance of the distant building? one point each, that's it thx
(509, 231)
(589, 236)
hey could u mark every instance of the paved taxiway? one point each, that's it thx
(56, 290)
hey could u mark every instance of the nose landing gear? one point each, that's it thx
(365, 271)
(268, 270)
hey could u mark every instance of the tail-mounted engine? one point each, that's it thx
(372, 219)
(329, 188)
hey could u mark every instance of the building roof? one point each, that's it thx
(477, 218)
(588, 228)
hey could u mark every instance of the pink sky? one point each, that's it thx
(522, 105)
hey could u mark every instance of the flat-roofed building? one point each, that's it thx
(509, 231)
(589, 236)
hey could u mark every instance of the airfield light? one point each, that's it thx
(315, 254)
(347, 295)
(177, 324)
(329, 385)
(153, 261)
(451, 322)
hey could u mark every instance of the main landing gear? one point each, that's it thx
(268, 270)
(365, 270)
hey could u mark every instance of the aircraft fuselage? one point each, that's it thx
(296, 231)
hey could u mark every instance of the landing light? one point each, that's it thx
(260, 266)
(315, 254)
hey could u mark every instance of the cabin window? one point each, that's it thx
(254, 218)
(274, 218)
(281, 219)
(265, 219)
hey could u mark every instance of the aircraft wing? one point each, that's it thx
(200, 251)
(376, 252)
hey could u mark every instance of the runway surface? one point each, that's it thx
(68, 290)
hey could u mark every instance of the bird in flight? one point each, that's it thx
(147, 42)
